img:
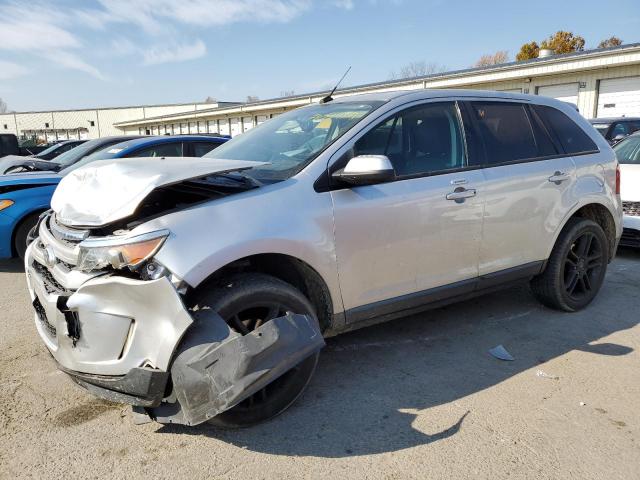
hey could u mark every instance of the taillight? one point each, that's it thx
(618, 179)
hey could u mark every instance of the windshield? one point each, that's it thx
(72, 156)
(52, 148)
(628, 150)
(290, 141)
(602, 128)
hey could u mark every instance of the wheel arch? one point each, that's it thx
(289, 269)
(26, 216)
(600, 214)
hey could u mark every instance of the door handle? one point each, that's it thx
(559, 177)
(460, 193)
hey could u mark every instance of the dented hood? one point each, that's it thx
(109, 190)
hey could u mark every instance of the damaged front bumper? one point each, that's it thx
(134, 341)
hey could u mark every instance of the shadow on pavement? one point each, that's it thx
(370, 384)
(11, 265)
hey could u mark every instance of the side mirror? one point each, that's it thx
(367, 170)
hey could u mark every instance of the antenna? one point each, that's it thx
(329, 97)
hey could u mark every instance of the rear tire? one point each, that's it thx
(246, 301)
(576, 268)
(22, 234)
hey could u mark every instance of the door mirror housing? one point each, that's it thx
(367, 170)
(619, 137)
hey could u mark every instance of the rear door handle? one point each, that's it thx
(460, 193)
(559, 177)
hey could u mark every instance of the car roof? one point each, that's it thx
(429, 93)
(156, 140)
(614, 119)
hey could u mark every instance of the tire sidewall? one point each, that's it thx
(245, 291)
(573, 233)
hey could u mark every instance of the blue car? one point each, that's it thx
(24, 196)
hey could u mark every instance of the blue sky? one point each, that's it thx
(76, 54)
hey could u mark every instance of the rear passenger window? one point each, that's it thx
(508, 133)
(161, 150)
(202, 148)
(572, 138)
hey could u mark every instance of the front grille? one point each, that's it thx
(631, 208)
(630, 238)
(42, 316)
(51, 285)
(66, 234)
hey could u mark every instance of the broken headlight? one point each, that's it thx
(119, 252)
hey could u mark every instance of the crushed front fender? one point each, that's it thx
(215, 368)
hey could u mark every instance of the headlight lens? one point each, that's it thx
(126, 253)
(5, 204)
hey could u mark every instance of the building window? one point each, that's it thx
(6, 127)
(92, 123)
(46, 125)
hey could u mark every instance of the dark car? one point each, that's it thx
(615, 129)
(57, 149)
(9, 145)
(32, 164)
(161, 146)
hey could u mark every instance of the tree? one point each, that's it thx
(287, 93)
(252, 98)
(528, 51)
(3, 106)
(493, 59)
(610, 42)
(417, 69)
(210, 100)
(563, 42)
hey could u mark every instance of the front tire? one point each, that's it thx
(22, 234)
(576, 268)
(246, 301)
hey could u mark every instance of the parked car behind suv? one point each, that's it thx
(615, 129)
(15, 164)
(23, 197)
(628, 153)
(203, 293)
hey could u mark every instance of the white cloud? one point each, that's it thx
(39, 30)
(152, 15)
(9, 70)
(346, 4)
(175, 53)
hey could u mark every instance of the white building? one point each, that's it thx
(88, 123)
(602, 83)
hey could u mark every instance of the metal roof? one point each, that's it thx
(516, 65)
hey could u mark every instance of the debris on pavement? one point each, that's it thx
(501, 353)
(582, 404)
(542, 374)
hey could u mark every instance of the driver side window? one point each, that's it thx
(420, 140)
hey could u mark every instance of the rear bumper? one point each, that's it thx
(631, 232)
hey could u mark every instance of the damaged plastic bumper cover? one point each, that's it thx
(216, 368)
(123, 339)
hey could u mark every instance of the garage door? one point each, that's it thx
(567, 92)
(618, 97)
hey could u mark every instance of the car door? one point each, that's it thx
(527, 190)
(406, 237)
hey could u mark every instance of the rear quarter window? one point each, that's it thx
(573, 139)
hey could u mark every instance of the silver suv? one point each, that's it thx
(202, 291)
